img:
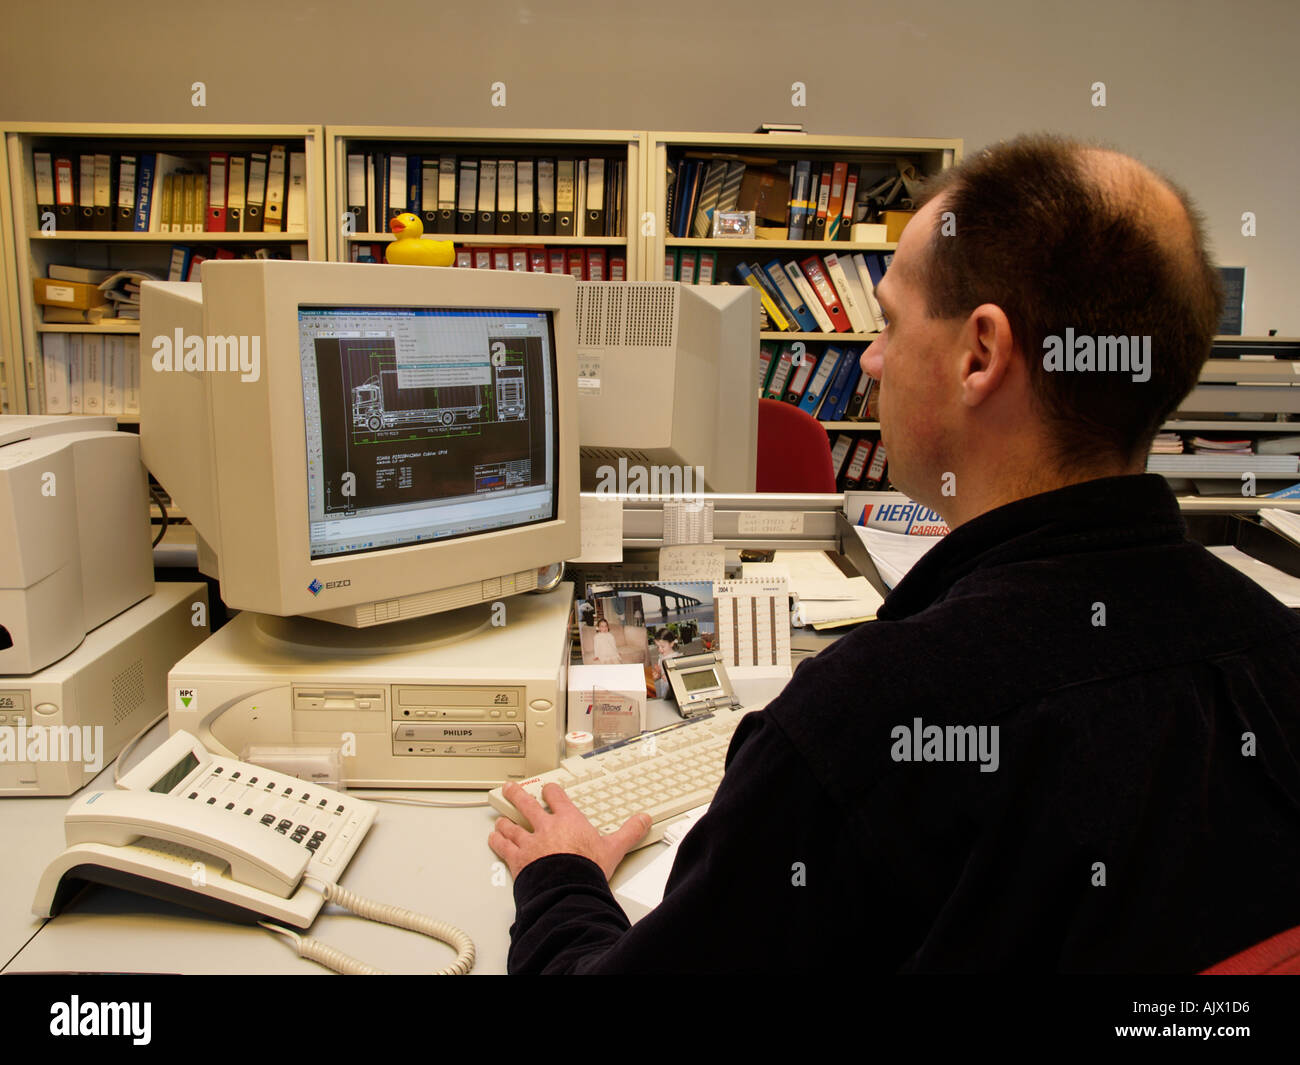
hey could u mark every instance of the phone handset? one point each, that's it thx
(261, 859)
(182, 803)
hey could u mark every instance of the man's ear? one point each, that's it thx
(987, 349)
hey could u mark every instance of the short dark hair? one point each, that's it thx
(1057, 246)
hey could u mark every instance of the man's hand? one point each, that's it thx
(561, 830)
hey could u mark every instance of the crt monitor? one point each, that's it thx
(666, 382)
(360, 443)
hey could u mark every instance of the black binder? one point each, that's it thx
(505, 214)
(566, 192)
(526, 223)
(467, 196)
(487, 196)
(546, 197)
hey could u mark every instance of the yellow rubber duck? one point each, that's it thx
(409, 250)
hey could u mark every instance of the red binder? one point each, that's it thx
(826, 293)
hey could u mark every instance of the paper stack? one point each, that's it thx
(1282, 585)
(894, 553)
(1284, 521)
(823, 596)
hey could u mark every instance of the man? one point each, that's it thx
(1070, 741)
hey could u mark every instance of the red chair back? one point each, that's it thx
(1276, 956)
(794, 453)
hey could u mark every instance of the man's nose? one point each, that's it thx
(873, 360)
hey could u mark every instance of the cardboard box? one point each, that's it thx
(72, 294)
(870, 233)
(766, 194)
(895, 223)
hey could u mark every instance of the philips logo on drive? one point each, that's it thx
(315, 587)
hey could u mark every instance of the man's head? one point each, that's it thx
(1032, 247)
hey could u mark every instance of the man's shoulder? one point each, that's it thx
(1013, 644)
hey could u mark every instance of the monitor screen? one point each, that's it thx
(425, 424)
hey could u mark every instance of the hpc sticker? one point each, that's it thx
(186, 699)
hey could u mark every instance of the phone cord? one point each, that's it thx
(396, 916)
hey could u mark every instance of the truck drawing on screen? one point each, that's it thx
(510, 392)
(380, 404)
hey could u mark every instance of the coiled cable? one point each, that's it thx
(397, 916)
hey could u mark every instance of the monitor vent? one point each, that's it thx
(611, 455)
(651, 312)
(128, 692)
(618, 314)
(600, 314)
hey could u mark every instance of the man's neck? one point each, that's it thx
(975, 495)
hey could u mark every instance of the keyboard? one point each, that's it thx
(664, 773)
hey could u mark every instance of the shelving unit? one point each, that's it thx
(36, 249)
(1264, 391)
(872, 158)
(873, 155)
(1232, 386)
(12, 390)
(490, 144)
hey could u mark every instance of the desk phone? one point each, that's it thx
(226, 837)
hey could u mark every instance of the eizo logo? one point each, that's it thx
(316, 587)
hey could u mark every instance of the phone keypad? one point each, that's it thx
(302, 815)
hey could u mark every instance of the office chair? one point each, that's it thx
(794, 454)
(1276, 956)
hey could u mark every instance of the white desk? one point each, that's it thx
(435, 861)
(32, 835)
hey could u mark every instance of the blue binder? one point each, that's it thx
(825, 372)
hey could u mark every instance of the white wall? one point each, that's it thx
(1206, 90)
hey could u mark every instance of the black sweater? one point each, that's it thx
(1144, 814)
